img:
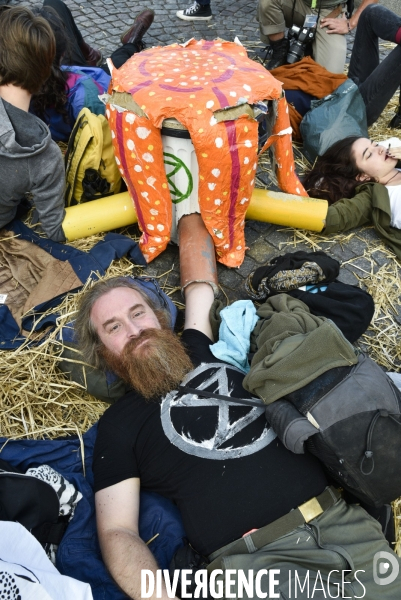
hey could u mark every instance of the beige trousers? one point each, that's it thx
(329, 50)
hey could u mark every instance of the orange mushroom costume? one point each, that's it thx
(192, 83)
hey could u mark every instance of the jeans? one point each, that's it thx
(377, 81)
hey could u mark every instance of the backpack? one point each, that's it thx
(31, 502)
(90, 165)
(335, 117)
(350, 418)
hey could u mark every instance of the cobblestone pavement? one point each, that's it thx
(101, 23)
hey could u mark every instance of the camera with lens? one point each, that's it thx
(301, 37)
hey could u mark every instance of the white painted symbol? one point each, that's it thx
(216, 380)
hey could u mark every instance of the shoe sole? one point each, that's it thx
(122, 36)
(186, 18)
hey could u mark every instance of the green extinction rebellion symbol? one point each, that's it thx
(173, 166)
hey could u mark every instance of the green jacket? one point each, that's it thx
(371, 204)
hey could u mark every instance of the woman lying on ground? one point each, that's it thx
(362, 184)
(76, 80)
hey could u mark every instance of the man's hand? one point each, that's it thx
(338, 25)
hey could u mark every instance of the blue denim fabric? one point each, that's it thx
(377, 81)
(79, 554)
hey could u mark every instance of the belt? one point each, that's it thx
(335, 12)
(251, 542)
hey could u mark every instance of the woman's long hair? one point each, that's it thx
(53, 93)
(335, 173)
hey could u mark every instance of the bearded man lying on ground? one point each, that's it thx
(220, 462)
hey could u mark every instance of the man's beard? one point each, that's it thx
(156, 367)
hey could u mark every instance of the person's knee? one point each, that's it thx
(371, 13)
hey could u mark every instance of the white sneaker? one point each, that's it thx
(195, 12)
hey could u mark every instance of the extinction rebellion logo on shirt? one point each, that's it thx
(220, 442)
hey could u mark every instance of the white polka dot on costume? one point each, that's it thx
(168, 80)
(248, 143)
(176, 70)
(213, 121)
(144, 194)
(121, 171)
(252, 182)
(130, 145)
(298, 191)
(247, 87)
(239, 248)
(219, 142)
(113, 108)
(148, 157)
(113, 135)
(211, 186)
(150, 226)
(150, 181)
(244, 200)
(154, 212)
(152, 250)
(226, 246)
(209, 104)
(183, 83)
(217, 201)
(216, 172)
(118, 161)
(142, 132)
(233, 94)
(158, 240)
(108, 113)
(138, 168)
(246, 160)
(194, 77)
(254, 166)
(160, 227)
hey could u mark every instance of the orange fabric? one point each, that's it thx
(306, 75)
(189, 83)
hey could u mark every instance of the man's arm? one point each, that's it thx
(47, 171)
(198, 272)
(340, 25)
(123, 551)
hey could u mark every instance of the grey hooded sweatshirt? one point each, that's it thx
(31, 166)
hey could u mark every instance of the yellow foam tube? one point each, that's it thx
(117, 211)
(88, 218)
(287, 209)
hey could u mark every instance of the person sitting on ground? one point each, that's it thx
(329, 45)
(339, 176)
(377, 81)
(220, 463)
(31, 164)
(75, 82)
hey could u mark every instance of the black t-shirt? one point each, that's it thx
(221, 464)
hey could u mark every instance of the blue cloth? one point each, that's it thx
(79, 555)
(85, 266)
(237, 323)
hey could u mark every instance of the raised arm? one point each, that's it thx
(123, 551)
(198, 272)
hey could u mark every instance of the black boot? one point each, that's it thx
(279, 54)
(395, 122)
